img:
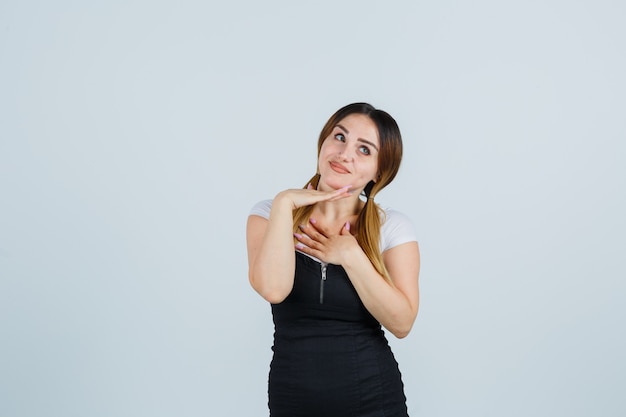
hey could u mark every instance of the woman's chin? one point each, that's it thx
(332, 185)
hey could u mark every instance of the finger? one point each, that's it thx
(338, 193)
(312, 233)
(319, 229)
(306, 242)
(343, 190)
(305, 249)
(304, 239)
(341, 193)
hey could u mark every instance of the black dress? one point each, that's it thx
(331, 357)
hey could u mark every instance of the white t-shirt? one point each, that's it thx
(395, 230)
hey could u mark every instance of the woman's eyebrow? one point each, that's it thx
(359, 139)
(369, 143)
(343, 128)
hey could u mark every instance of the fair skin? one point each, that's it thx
(348, 160)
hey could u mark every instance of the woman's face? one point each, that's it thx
(349, 155)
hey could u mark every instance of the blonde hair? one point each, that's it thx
(370, 218)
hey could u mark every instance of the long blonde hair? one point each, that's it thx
(369, 220)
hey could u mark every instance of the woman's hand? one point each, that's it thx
(322, 244)
(271, 256)
(306, 197)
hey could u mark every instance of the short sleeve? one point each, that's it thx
(396, 229)
(262, 209)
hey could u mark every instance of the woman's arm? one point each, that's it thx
(271, 255)
(395, 304)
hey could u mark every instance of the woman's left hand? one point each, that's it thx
(324, 245)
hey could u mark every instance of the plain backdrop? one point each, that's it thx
(136, 135)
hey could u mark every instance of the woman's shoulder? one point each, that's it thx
(396, 229)
(262, 209)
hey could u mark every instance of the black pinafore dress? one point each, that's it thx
(331, 357)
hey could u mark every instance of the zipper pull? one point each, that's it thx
(324, 266)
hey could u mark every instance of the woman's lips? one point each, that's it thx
(337, 167)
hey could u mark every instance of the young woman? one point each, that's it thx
(335, 267)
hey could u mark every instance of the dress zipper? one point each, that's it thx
(324, 267)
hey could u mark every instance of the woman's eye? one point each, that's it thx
(340, 136)
(364, 150)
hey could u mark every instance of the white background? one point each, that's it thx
(136, 135)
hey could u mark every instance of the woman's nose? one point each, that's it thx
(346, 154)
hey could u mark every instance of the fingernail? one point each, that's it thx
(301, 226)
(308, 187)
(348, 226)
(298, 235)
(312, 220)
(299, 245)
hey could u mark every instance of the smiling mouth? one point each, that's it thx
(339, 168)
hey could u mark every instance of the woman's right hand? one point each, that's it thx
(271, 255)
(306, 197)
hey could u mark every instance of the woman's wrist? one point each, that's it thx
(283, 202)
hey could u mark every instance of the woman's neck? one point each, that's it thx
(339, 210)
